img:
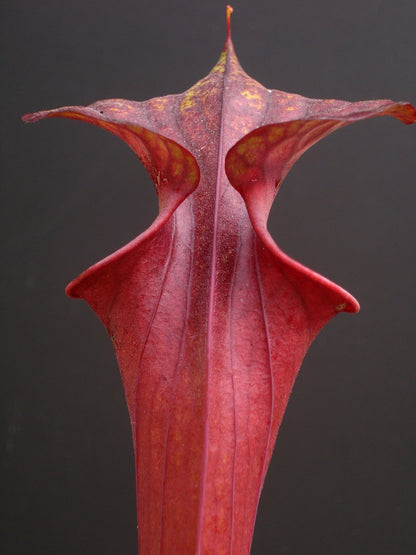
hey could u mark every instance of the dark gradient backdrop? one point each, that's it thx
(342, 480)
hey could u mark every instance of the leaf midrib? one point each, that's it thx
(212, 288)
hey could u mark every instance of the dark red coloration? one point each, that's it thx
(209, 319)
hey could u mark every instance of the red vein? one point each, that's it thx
(266, 331)
(172, 394)
(232, 285)
(147, 334)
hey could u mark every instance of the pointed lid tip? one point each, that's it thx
(228, 16)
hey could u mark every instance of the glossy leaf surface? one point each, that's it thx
(210, 321)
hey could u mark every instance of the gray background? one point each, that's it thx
(342, 479)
